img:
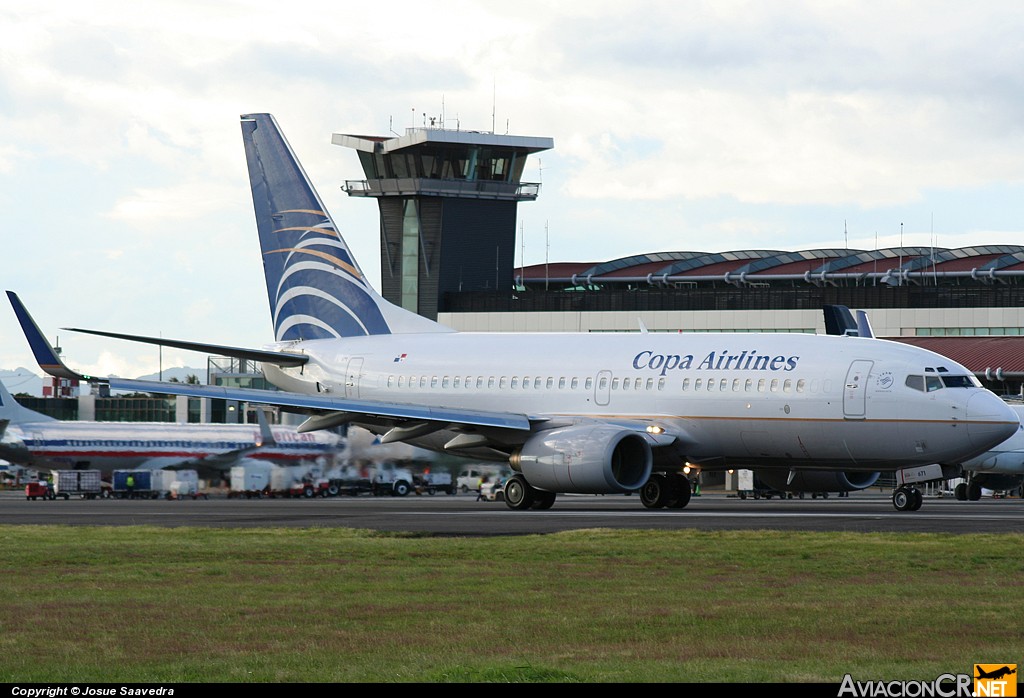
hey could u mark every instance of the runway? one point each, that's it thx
(463, 515)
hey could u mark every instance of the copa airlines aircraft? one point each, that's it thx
(580, 413)
(41, 442)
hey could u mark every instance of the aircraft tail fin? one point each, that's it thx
(12, 412)
(839, 320)
(315, 287)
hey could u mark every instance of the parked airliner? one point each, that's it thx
(580, 413)
(40, 442)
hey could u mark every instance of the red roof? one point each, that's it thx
(976, 353)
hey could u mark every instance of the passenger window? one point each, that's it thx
(561, 384)
(502, 382)
(735, 385)
(698, 384)
(787, 387)
(775, 385)
(490, 382)
(650, 383)
(590, 383)
(686, 384)
(550, 384)
(801, 385)
(575, 383)
(748, 385)
(433, 381)
(661, 384)
(423, 381)
(515, 382)
(761, 385)
(602, 385)
(723, 385)
(711, 383)
(444, 382)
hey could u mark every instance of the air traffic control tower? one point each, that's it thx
(447, 209)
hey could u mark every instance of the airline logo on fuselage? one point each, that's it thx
(714, 361)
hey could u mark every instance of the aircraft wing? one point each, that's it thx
(320, 404)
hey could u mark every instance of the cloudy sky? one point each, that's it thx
(678, 125)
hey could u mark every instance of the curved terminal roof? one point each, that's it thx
(753, 266)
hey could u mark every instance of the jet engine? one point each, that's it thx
(585, 459)
(817, 480)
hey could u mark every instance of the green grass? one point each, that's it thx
(146, 604)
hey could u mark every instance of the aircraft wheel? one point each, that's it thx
(974, 491)
(518, 493)
(960, 492)
(655, 492)
(743, 495)
(682, 495)
(917, 499)
(902, 499)
(543, 500)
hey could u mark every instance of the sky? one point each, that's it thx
(679, 125)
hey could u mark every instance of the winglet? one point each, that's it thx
(266, 435)
(44, 353)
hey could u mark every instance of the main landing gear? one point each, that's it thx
(519, 494)
(907, 498)
(670, 491)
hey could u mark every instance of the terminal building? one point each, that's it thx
(448, 203)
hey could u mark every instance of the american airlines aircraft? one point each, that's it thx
(40, 442)
(580, 413)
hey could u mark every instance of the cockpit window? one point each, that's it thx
(961, 382)
(931, 383)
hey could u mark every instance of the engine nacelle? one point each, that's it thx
(817, 480)
(585, 459)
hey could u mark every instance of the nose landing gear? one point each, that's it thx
(907, 498)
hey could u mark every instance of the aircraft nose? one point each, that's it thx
(990, 421)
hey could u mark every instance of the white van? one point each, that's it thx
(471, 477)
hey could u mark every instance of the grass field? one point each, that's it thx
(142, 604)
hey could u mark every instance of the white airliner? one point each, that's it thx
(580, 413)
(40, 442)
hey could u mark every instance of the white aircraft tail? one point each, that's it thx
(11, 412)
(315, 287)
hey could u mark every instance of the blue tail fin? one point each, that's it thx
(315, 287)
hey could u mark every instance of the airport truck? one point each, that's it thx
(85, 484)
(431, 483)
(386, 479)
